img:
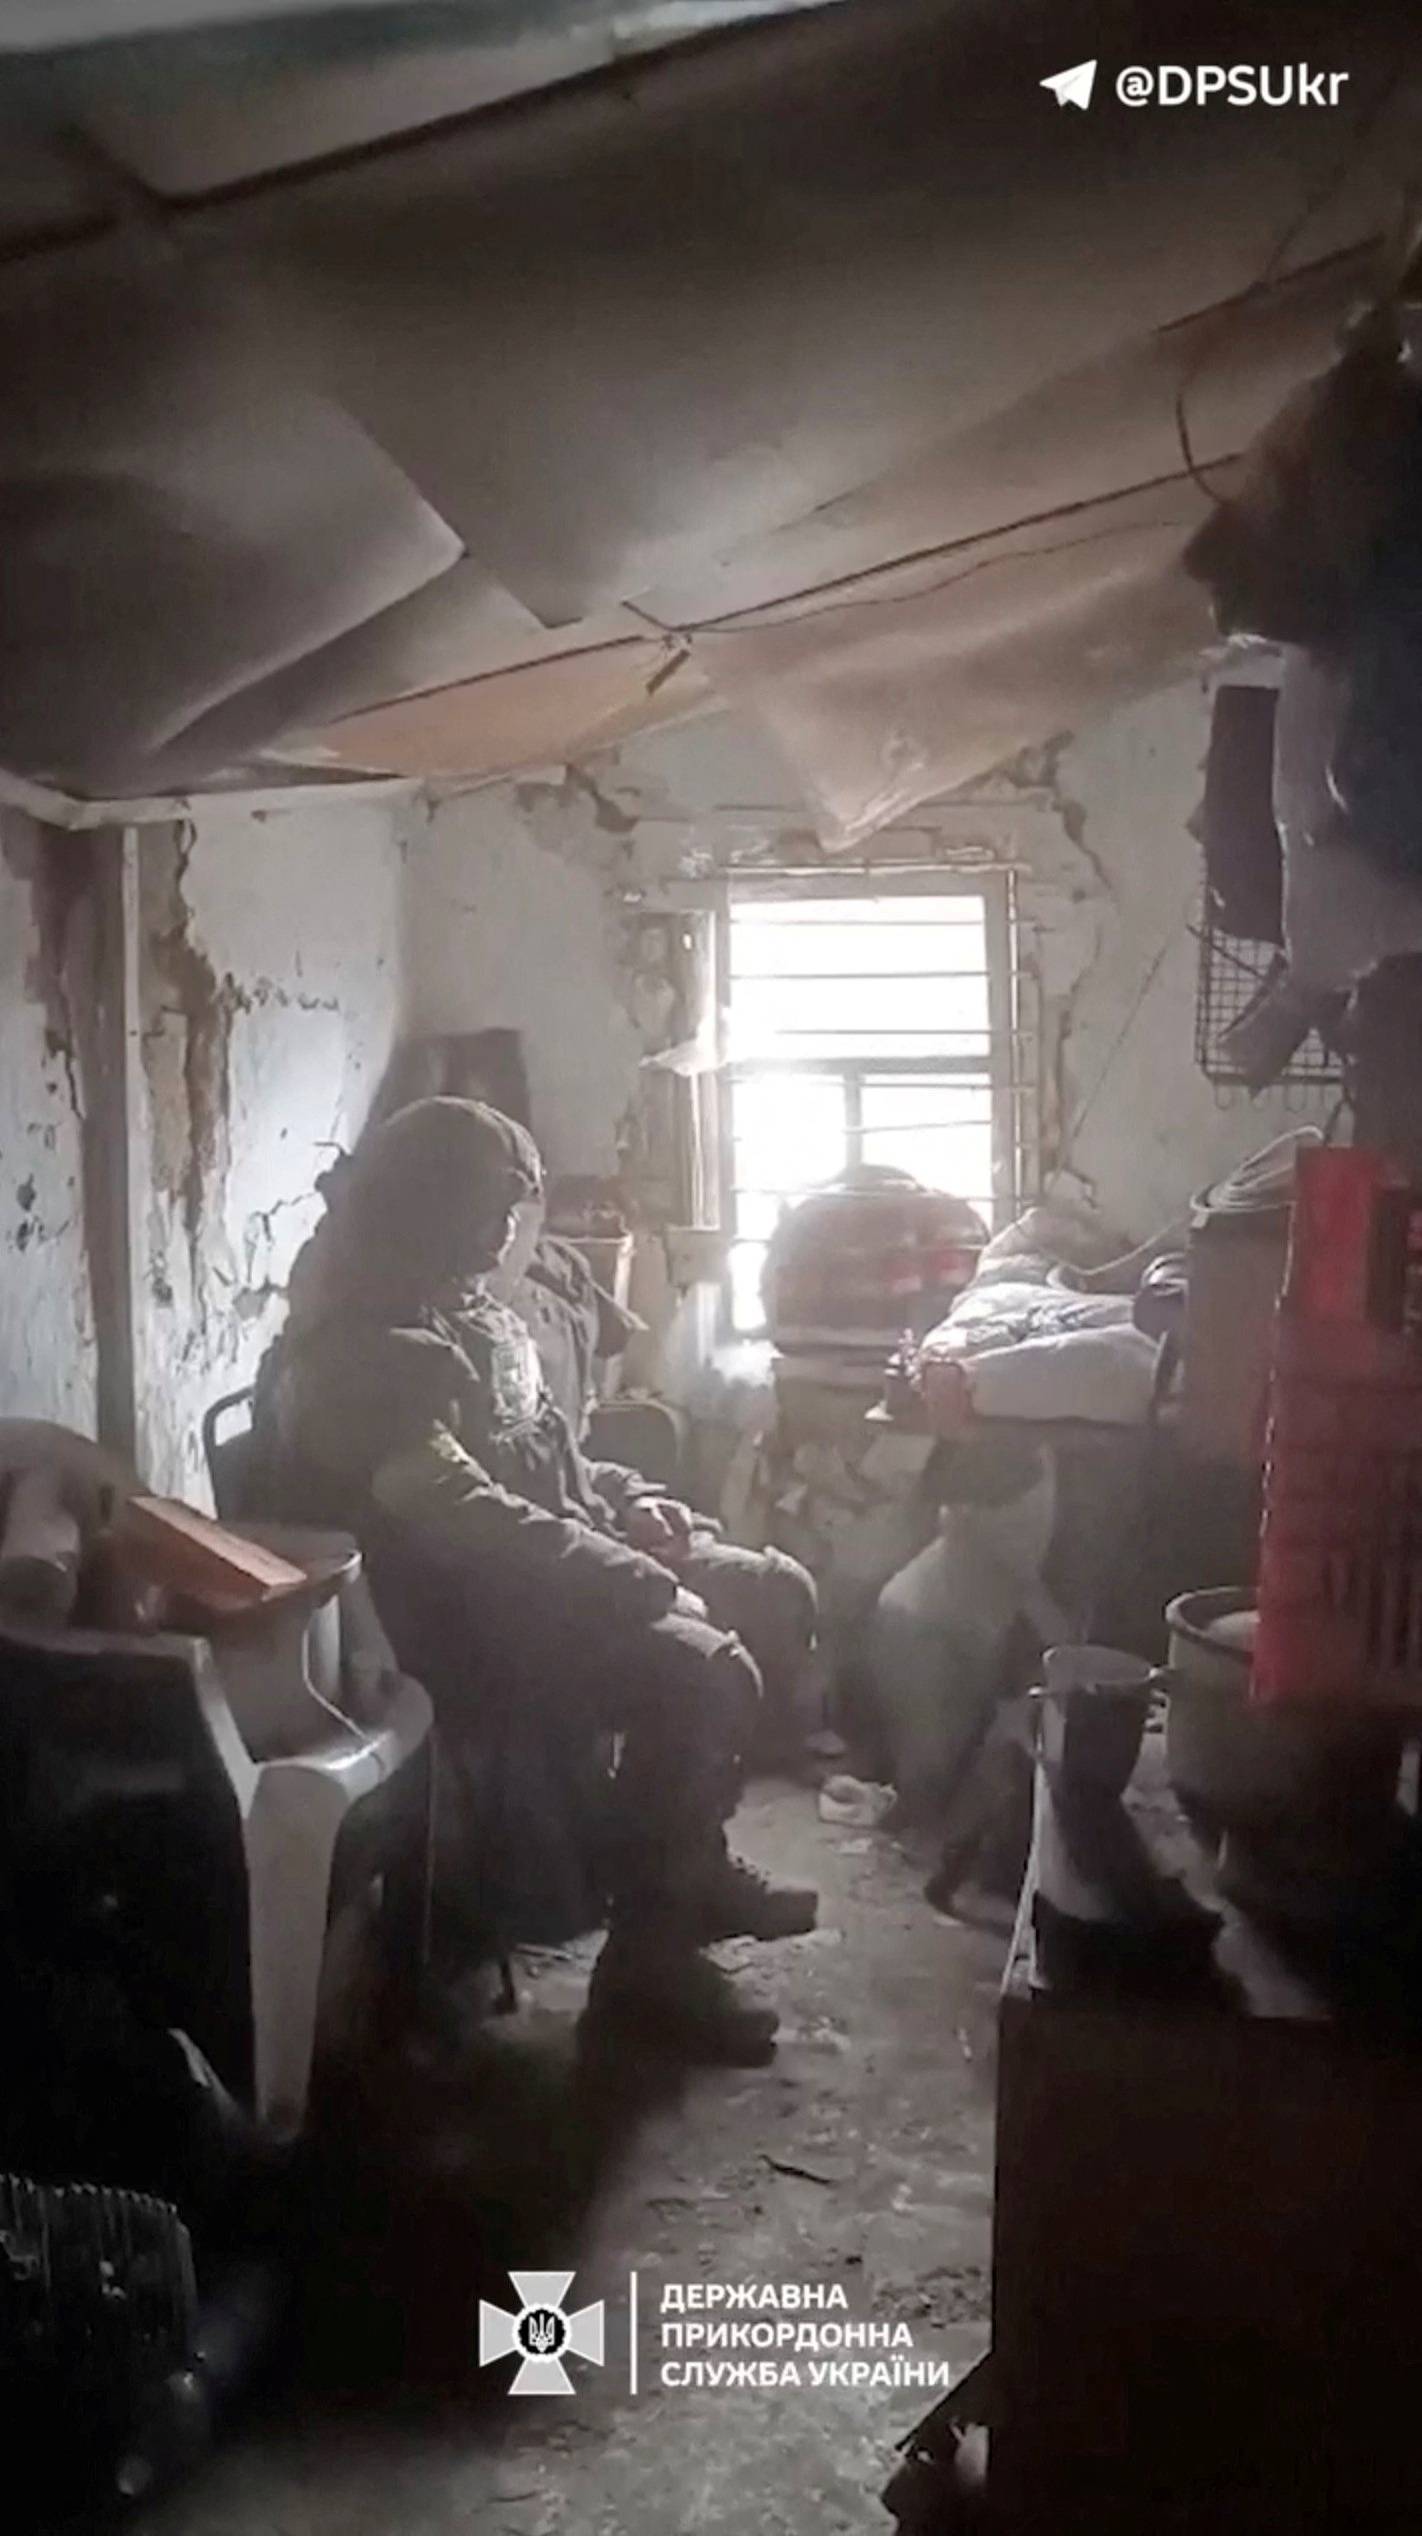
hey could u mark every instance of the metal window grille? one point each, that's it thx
(1233, 975)
(865, 1022)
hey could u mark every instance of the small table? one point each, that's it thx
(1207, 2265)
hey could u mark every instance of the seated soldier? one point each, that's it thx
(765, 1598)
(406, 1393)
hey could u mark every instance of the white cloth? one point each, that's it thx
(939, 1628)
(1104, 1375)
(1343, 913)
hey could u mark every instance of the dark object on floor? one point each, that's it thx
(97, 2084)
(743, 1902)
(939, 2490)
(672, 2005)
(98, 2308)
(938, 2496)
(989, 1825)
(238, 2327)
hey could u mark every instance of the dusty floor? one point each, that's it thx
(881, 2092)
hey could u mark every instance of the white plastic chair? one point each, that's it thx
(321, 1798)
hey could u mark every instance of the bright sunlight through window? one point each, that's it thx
(859, 1032)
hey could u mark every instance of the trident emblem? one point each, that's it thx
(541, 2332)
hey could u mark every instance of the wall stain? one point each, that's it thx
(1072, 814)
(253, 1295)
(64, 874)
(59, 872)
(30, 1228)
(577, 789)
(192, 1010)
(1039, 771)
(190, 1154)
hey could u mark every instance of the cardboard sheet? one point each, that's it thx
(182, 514)
(616, 336)
(906, 691)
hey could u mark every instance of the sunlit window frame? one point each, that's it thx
(995, 891)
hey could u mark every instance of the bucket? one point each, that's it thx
(1091, 1715)
(1238, 1766)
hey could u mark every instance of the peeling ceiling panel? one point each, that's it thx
(42, 26)
(540, 714)
(1106, 427)
(45, 190)
(1065, 450)
(444, 631)
(334, 456)
(147, 575)
(102, 98)
(1088, 432)
(232, 104)
(938, 675)
(668, 314)
(258, 117)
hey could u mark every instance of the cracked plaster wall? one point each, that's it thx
(515, 922)
(523, 913)
(47, 1350)
(271, 990)
(532, 906)
(1114, 892)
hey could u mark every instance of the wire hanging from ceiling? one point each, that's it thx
(1322, 194)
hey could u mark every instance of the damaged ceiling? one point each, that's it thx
(444, 390)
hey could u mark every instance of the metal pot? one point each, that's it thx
(1238, 1767)
(1091, 1715)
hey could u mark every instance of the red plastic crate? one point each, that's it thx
(1340, 1560)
